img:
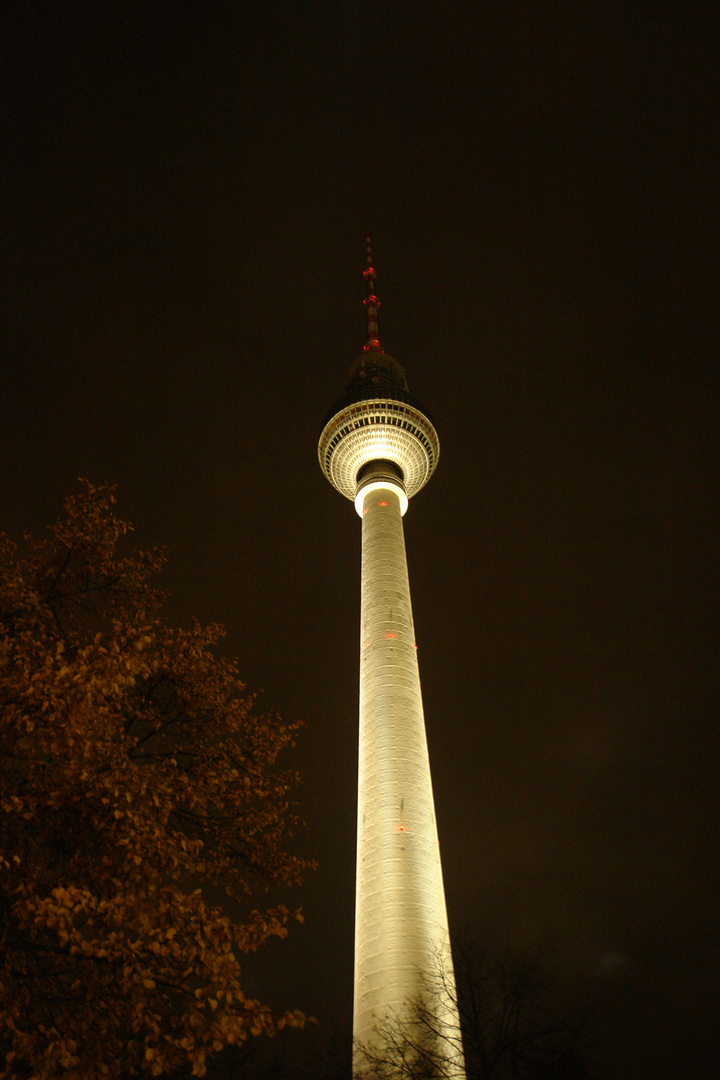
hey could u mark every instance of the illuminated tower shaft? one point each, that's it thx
(401, 931)
(378, 448)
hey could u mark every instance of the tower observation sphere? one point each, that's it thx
(378, 420)
(379, 448)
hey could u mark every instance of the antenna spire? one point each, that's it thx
(371, 303)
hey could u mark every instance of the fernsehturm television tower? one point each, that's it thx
(379, 448)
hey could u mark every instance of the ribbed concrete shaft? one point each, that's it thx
(401, 930)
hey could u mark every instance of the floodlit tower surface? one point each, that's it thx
(378, 448)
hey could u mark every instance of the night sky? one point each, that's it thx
(186, 189)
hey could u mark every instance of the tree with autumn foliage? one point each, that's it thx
(138, 783)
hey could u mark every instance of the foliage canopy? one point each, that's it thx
(138, 782)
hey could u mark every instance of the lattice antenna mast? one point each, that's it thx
(371, 303)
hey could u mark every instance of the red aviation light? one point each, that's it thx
(393, 636)
(382, 504)
(402, 828)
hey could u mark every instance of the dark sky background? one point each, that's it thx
(185, 193)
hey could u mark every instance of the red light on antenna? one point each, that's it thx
(391, 636)
(382, 504)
